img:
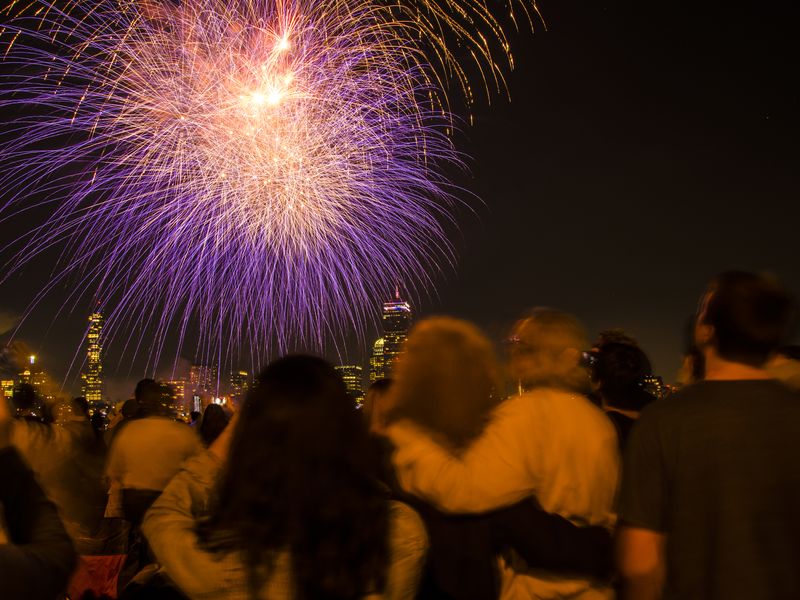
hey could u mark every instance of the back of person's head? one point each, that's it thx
(214, 422)
(546, 350)
(376, 404)
(618, 372)
(745, 317)
(195, 416)
(141, 387)
(25, 398)
(153, 399)
(614, 336)
(300, 478)
(82, 405)
(68, 411)
(130, 409)
(447, 380)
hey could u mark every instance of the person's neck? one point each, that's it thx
(719, 369)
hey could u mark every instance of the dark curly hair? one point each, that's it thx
(300, 478)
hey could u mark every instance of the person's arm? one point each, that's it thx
(170, 528)
(408, 543)
(640, 560)
(493, 472)
(551, 542)
(641, 537)
(40, 558)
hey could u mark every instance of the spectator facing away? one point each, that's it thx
(711, 485)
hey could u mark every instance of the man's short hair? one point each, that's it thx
(752, 316)
(142, 388)
(549, 328)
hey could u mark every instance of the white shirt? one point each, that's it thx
(546, 443)
(148, 452)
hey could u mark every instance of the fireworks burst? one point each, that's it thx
(266, 167)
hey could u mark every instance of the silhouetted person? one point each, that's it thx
(194, 418)
(27, 404)
(295, 510)
(617, 376)
(463, 451)
(711, 483)
(143, 458)
(214, 422)
(38, 557)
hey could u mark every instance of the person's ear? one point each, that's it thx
(703, 334)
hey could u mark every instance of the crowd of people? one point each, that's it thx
(552, 474)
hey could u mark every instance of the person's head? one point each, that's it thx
(614, 336)
(300, 477)
(153, 400)
(141, 388)
(130, 409)
(82, 405)
(546, 350)
(618, 373)
(447, 380)
(214, 422)
(25, 399)
(744, 318)
(376, 404)
(68, 411)
(194, 416)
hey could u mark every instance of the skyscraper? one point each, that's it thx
(240, 383)
(376, 365)
(93, 376)
(396, 323)
(203, 379)
(353, 379)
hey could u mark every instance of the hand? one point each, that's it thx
(6, 422)
(222, 444)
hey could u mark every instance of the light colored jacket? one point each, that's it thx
(170, 529)
(548, 444)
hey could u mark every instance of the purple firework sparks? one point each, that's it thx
(265, 168)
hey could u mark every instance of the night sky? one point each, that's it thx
(646, 147)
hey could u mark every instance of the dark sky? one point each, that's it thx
(647, 147)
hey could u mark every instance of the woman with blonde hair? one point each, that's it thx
(446, 381)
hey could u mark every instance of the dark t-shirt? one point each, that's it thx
(715, 467)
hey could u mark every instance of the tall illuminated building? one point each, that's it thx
(93, 375)
(239, 383)
(353, 377)
(34, 376)
(377, 368)
(8, 387)
(203, 379)
(396, 323)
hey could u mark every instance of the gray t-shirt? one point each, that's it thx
(716, 467)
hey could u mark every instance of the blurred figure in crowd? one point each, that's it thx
(286, 502)
(27, 404)
(147, 453)
(194, 418)
(143, 458)
(617, 373)
(214, 422)
(37, 559)
(711, 486)
(550, 442)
